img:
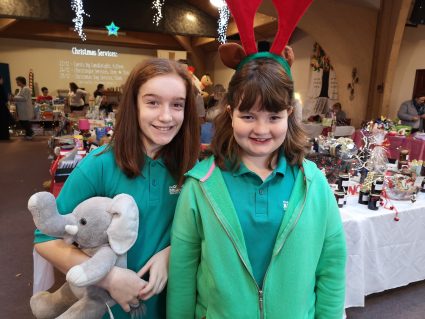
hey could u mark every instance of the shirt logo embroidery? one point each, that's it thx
(174, 190)
(285, 205)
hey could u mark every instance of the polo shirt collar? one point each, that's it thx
(148, 162)
(280, 168)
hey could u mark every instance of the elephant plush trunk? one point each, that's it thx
(46, 217)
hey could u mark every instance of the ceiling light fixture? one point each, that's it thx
(218, 3)
(190, 17)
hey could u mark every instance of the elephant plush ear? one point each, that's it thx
(123, 230)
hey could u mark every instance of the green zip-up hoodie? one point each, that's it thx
(210, 273)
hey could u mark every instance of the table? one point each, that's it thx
(40, 126)
(315, 129)
(415, 146)
(382, 253)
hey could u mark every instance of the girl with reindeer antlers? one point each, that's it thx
(257, 231)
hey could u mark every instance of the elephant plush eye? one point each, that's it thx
(83, 221)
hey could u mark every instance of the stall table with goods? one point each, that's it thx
(382, 207)
(414, 143)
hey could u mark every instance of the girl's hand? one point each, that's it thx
(157, 267)
(123, 285)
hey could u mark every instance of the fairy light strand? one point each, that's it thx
(77, 7)
(222, 23)
(157, 5)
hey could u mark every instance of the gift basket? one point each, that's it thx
(334, 156)
(400, 186)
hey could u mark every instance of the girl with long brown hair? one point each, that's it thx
(156, 141)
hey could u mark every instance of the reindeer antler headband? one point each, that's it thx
(243, 11)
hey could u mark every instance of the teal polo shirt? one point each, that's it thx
(260, 206)
(155, 192)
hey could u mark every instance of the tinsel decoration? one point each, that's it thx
(223, 21)
(31, 82)
(157, 5)
(77, 7)
(367, 184)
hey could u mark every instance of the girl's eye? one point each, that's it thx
(179, 105)
(275, 118)
(246, 117)
(152, 102)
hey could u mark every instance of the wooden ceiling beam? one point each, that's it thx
(196, 54)
(260, 19)
(63, 33)
(261, 22)
(6, 23)
(200, 41)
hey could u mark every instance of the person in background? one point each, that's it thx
(155, 141)
(24, 107)
(340, 115)
(98, 93)
(216, 96)
(257, 230)
(105, 105)
(77, 97)
(200, 106)
(44, 97)
(5, 117)
(412, 112)
(212, 110)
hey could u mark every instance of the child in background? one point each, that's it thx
(44, 97)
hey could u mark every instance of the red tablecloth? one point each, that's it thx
(416, 147)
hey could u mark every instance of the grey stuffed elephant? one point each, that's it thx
(104, 229)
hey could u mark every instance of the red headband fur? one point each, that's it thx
(243, 11)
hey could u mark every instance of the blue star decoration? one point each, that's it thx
(112, 29)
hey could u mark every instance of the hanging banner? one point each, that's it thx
(323, 87)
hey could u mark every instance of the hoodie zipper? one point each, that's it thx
(290, 231)
(260, 291)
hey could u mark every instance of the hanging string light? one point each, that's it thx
(77, 7)
(157, 5)
(223, 21)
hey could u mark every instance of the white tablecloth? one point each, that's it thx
(315, 129)
(382, 253)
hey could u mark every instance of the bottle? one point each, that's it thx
(333, 126)
(339, 196)
(363, 196)
(343, 181)
(377, 185)
(373, 202)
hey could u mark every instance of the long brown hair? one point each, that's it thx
(73, 86)
(181, 153)
(264, 79)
